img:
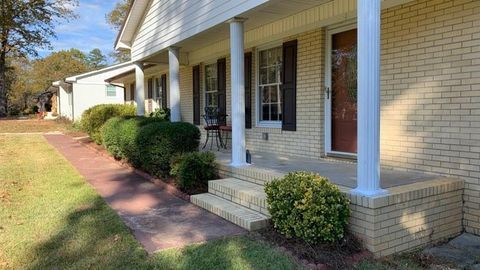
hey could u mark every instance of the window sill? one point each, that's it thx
(277, 125)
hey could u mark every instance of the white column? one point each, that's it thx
(174, 76)
(368, 152)
(238, 92)
(140, 88)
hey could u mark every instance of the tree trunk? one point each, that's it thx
(3, 88)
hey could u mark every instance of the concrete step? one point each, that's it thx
(235, 213)
(241, 192)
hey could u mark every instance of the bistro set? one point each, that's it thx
(216, 128)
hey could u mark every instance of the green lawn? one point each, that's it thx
(51, 219)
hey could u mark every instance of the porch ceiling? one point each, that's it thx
(269, 12)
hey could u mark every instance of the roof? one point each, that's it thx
(126, 73)
(135, 14)
(96, 72)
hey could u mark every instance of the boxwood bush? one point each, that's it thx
(307, 206)
(161, 141)
(193, 170)
(120, 137)
(148, 142)
(94, 118)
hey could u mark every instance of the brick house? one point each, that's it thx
(300, 97)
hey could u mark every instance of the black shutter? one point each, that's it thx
(196, 95)
(289, 86)
(222, 86)
(150, 88)
(163, 84)
(132, 91)
(248, 89)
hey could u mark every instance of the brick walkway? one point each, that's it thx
(158, 219)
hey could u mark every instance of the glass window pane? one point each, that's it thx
(272, 75)
(265, 94)
(274, 112)
(266, 112)
(263, 76)
(273, 94)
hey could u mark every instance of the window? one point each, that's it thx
(269, 77)
(211, 86)
(158, 91)
(111, 91)
(150, 88)
(132, 91)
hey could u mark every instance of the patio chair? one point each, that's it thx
(212, 127)
(225, 130)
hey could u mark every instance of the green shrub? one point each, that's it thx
(149, 143)
(193, 170)
(94, 117)
(307, 206)
(161, 141)
(161, 114)
(120, 137)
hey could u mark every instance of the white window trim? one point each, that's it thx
(106, 91)
(204, 81)
(259, 123)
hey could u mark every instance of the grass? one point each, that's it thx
(31, 126)
(51, 219)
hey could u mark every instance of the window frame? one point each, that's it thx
(209, 63)
(107, 91)
(258, 104)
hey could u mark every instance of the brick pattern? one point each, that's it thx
(240, 192)
(431, 93)
(408, 217)
(242, 216)
(404, 220)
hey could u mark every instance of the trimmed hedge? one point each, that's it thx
(93, 118)
(307, 206)
(193, 170)
(149, 143)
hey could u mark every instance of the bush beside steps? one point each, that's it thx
(307, 206)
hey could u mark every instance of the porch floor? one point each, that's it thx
(340, 172)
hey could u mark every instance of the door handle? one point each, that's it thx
(327, 92)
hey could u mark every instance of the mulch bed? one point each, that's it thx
(340, 255)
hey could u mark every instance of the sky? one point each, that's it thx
(89, 31)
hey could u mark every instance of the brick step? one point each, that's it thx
(240, 192)
(235, 213)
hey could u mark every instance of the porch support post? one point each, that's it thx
(238, 92)
(174, 76)
(368, 152)
(140, 88)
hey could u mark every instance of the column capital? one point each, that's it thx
(236, 19)
(174, 48)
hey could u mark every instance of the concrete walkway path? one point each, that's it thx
(158, 219)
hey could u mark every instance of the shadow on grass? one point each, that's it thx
(93, 236)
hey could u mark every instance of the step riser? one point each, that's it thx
(257, 176)
(251, 201)
(247, 220)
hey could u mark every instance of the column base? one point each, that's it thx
(239, 164)
(369, 193)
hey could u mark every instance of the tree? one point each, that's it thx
(25, 26)
(115, 19)
(96, 59)
(56, 66)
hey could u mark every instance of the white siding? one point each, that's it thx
(176, 20)
(86, 95)
(65, 109)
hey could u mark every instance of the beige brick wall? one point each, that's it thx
(409, 216)
(431, 93)
(430, 111)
